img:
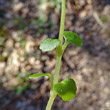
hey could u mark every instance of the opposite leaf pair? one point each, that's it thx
(65, 89)
(70, 37)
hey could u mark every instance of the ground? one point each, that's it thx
(22, 29)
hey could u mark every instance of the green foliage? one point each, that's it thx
(49, 44)
(73, 38)
(66, 89)
(39, 75)
(42, 74)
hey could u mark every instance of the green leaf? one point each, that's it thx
(49, 44)
(73, 38)
(39, 75)
(66, 89)
(42, 74)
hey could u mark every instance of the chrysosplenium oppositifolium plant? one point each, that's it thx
(66, 89)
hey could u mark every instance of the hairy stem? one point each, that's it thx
(58, 57)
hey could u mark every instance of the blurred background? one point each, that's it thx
(24, 24)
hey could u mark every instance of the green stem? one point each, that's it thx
(53, 94)
(62, 23)
(58, 57)
(57, 69)
(55, 80)
(51, 80)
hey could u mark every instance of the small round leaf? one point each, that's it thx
(66, 89)
(73, 38)
(49, 44)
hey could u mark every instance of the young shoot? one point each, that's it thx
(66, 89)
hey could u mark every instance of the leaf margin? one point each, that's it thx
(77, 41)
(49, 44)
(65, 92)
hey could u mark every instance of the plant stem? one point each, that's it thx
(57, 69)
(58, 57)
(55, 80)
(62, 23)
(51, 99)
